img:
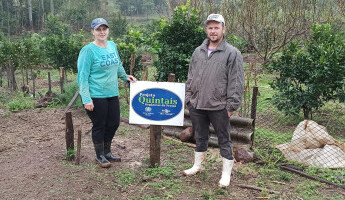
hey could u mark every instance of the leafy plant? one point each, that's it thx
(125, 177)
(312, 73)
(175, 42)
(21, 102)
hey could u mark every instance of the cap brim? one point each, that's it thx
(100, 25)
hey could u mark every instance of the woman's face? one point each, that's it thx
(101, 33)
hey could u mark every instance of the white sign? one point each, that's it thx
(157, 103)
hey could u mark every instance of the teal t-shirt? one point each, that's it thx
(98, 71)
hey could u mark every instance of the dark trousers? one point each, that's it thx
(105, 119)
(201, 120)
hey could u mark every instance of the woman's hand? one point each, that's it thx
(131, 79)
(89, 106)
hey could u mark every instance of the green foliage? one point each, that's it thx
(63, 51)
(54, 26)
(175, 42)
(21, 102)
(125, 177)
(166, 171)
(70, 89)
(128, 45)
(70, 153)
(312, 73)
(237, 42)
(118, 26)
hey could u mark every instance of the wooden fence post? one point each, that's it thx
(33, 76)
(253, 109)
(61, 79)
(49, 84)
(155, 138)
(69, 133)
(77, 160)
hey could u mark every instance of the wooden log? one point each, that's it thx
(155, 145)
(234, 120)
(69, 132)
(77, 160)
(311, 177)
(185, 143)
(257, 188)
(244, 134)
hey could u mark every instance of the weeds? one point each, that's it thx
(125, 177)
(21, 102)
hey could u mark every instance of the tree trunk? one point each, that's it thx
(8, 22)
(42, 15)
(30, 15)
(51, 7)
(2, 11)
(12, 76)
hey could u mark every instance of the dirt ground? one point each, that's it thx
(32, 155)
(33, 165)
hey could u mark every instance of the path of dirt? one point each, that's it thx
(32, 149)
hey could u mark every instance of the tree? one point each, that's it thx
(176, 40)
(312, 73)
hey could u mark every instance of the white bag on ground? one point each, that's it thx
(312, 145)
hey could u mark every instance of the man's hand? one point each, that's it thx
(131, 78)
(89, 106)
(229, 113)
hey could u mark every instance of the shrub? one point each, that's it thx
(312, 73)
(70, 89)
(21, 102)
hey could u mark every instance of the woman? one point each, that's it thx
(99, 67)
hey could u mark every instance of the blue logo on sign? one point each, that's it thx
(157, 104)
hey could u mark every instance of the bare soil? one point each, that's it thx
(33, 165)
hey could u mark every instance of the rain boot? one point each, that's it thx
(199, 158)
(226, 173)
(108, 154)
(100, 158)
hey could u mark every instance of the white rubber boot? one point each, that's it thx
(199, 158)
(226, 173)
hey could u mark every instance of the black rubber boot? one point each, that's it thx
(100, 158)
(108, 154)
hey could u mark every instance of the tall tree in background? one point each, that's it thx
(30, 15)
(51, 7)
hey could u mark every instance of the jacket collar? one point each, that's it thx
(220, 46)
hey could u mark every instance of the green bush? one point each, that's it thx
(70, 89)
(176, 41)
(312, 73)
(21, 102)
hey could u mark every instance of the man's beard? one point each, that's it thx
(215, 40)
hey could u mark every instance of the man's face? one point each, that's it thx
(215, 31)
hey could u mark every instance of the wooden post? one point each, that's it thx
(155, 138)
(61, 79)
(0, 80)
(77, 160)
(69, 132)
(171, 77)
(155, 145)
(253, 109)
(49, 84)
(33, 76)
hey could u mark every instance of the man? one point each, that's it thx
(214, 90)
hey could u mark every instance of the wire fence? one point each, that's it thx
(314, 145)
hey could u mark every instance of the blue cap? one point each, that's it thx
(98, 22)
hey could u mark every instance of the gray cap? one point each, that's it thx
(98, 22)
(215, 17)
